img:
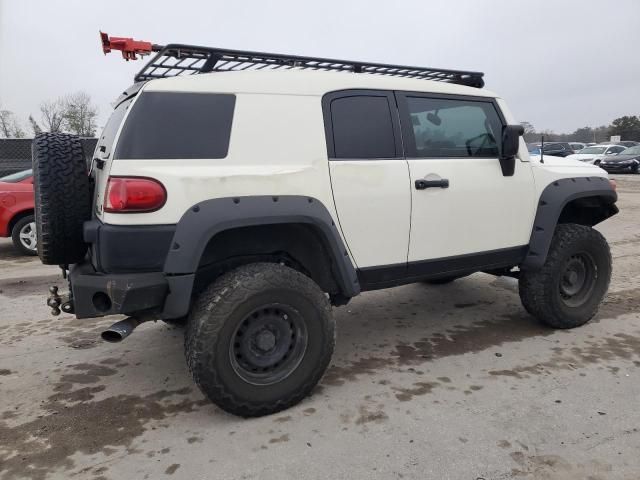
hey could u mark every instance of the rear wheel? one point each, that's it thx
(566, 292)
(24, 235)
(259, 339)
(63, 197)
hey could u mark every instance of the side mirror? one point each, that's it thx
(510, 144)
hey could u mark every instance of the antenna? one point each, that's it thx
(542, 150)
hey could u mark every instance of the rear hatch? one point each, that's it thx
(103, 155)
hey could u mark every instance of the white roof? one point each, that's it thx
(303, 82)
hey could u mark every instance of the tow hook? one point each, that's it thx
(59, 303)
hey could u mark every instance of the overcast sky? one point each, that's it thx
(560, 64)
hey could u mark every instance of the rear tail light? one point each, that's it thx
(134, 195)
(613, 184)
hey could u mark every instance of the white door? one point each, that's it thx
(462, 201)
(369, 177)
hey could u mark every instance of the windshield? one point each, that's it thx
(631, 151)
(593, 150)
(17, 177)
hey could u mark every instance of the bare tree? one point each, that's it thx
(5, 123)
(34, 126)
(18, 132)
(52, 114)
(530, 134)
(80, 114)
(9, 125)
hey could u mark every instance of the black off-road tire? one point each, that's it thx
(541, 291)
(17, 229)
(62, 197)
(225, 306)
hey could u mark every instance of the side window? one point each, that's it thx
(362, 127)
(443, 128)
(170, 125)
(617, 149)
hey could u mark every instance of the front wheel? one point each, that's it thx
(24, 235)
(259, 339)
(566, 292)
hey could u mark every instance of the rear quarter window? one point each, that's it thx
(172, 125)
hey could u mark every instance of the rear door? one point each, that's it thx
(369, 176)
(467, 211)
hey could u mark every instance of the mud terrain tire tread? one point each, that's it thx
(62, 197)
(538, 289)
(215, 306)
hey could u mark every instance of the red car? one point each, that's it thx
(16, 211)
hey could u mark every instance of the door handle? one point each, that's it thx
(422, 184)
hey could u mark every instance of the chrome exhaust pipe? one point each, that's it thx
(121, 330)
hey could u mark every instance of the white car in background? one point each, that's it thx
(596, 153)
(577, 146)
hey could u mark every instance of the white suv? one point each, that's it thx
(596, 153)
(252, 201)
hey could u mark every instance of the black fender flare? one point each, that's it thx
(552, 201)
(204, 220)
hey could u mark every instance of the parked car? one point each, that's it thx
(627, 161)
(596, 153)
(554, 149)
(534, 151)
(628, 143)
(16, 211)
(577, 146)
(250, 223)
(558, 149)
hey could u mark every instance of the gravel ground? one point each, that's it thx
(448, 382)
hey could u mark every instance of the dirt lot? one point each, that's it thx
(450, 382)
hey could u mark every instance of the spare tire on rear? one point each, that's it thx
(62, 197)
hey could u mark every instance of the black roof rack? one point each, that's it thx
(176, 59)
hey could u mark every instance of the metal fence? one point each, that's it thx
(15, 153)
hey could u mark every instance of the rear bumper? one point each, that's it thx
(128, 248)
(97, 294)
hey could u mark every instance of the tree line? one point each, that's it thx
(627, 127)
(74, 113)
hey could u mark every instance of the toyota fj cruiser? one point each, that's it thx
(253, 196)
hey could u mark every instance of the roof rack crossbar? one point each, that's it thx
(192, 59)
(181, 59)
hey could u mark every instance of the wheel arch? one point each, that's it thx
(301, 246)
(255, 228)
(17, 217)
(581, 200)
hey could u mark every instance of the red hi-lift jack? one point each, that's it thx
(128, 46)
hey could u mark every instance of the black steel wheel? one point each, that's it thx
(578, 279)
(567, 291)
(259, 339)
(268, 344)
